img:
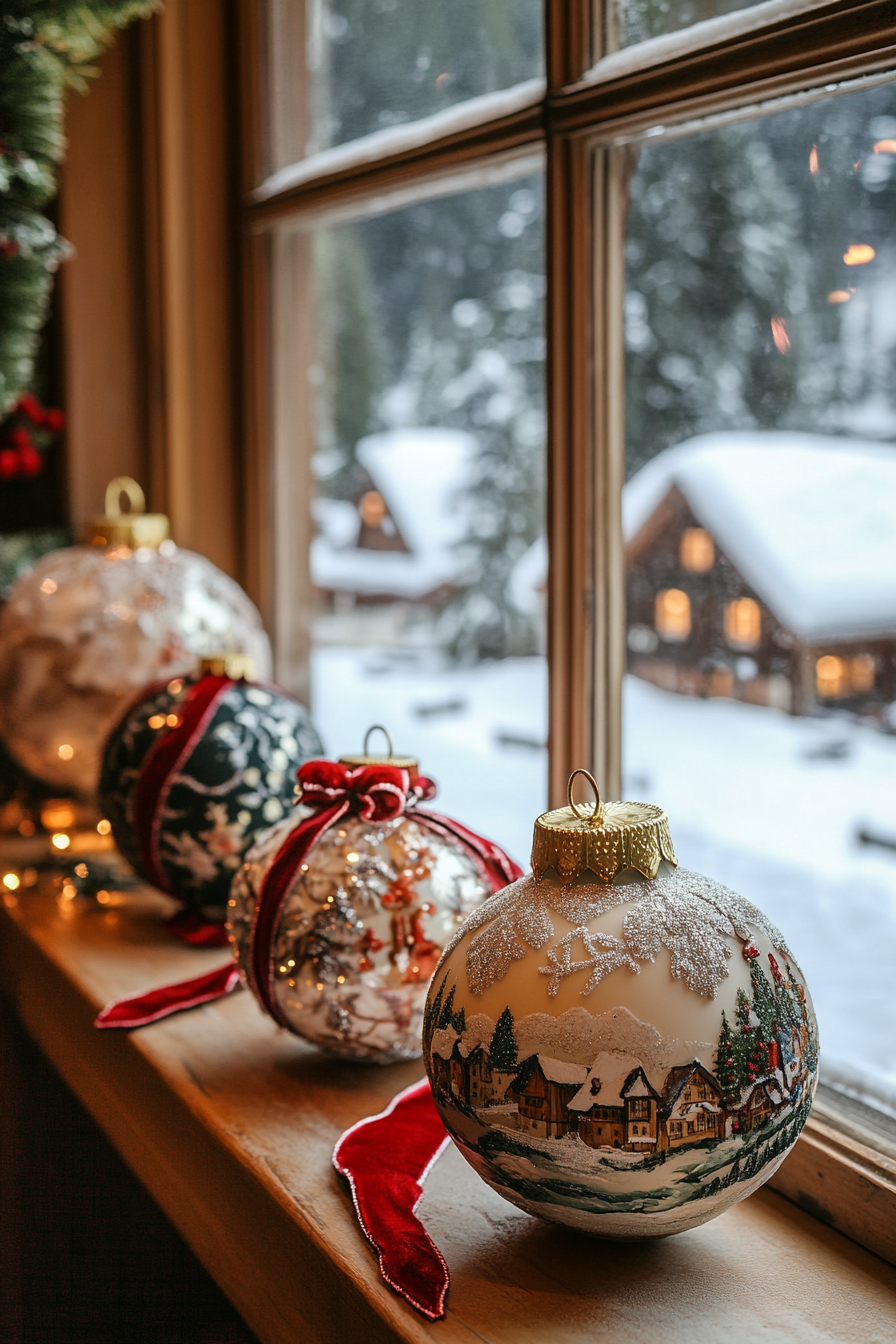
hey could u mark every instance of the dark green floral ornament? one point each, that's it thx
(195, 772)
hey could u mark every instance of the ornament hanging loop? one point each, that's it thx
(596, 815)
(378, 728)
(124, 485)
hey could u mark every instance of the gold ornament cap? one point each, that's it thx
(237, 666)
(571, 842)
(409, 763)
(135, 529)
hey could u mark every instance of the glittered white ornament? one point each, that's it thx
(90, 625)
(357, 910)
(617, 1044)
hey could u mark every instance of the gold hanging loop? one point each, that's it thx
(124, 485)
(596, 813)
(378, 728)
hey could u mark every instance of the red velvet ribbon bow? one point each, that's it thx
(331, 791)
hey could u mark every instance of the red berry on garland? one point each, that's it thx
(30, 460)
(54, 420)
(9, 463)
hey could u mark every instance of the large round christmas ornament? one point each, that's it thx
(90, 625)
(198, 769)
(615, 1043)
(340, 914)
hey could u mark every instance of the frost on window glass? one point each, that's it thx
(631, 21)
(429, 560)
(374, 64)
(760, 527)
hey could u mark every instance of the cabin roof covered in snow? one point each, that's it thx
(420, 474)
(809, 521)
(558, 1071)
(610, 1072)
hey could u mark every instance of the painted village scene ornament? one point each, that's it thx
(342, 910)
(197, 769)
(89, 625)
(615, 1043)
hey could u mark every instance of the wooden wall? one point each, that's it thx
(150, 301)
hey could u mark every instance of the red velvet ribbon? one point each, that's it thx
(163, 760)
(386, 1158)
(138, 1010)
(332, 790)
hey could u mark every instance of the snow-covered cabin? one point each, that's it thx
(693, 1106)
(616, 1106)
(401, 537)
(763, 566)
(543, 1089)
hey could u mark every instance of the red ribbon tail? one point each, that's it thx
(496, 866)
(386, 1159)
(138, 1010)
(189, 926)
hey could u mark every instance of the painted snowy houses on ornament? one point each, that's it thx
(88, 626)
(341, 912)
(196, 771)
(615, 1043)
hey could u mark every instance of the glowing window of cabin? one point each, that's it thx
(743, 623)
(831, 680)
(698, 551)
(673, 615)
(861, 673)
(372, 509)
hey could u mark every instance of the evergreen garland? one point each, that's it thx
(44, 46)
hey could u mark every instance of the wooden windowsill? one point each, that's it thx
(230, 1124)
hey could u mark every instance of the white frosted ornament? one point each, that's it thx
(341, 912)
(617, 1044)
(85, 630)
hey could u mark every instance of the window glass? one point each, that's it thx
(373, 64)
(760, 524)
(631, 21)
(429, 560)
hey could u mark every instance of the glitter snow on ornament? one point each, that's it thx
(628, 1059)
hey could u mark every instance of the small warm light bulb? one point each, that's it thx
(352, 857)
(11, 881)
(859, 254)
(172, 720)
(60, 840)
(103, 897)
(49, 587)
(813, 160)
(839, 296)
(157, 721)
(104, 827)
(65, 752)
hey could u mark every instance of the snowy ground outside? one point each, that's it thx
(755, 798)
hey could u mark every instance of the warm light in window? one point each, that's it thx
(372, 509)
(779, 335)
(813, 160)
(885, 147)
(858, 254)
(839, 296)
(743, 623)
(673, 615)
(830, 676)
(698, 552)
(65, 752)
(60, 841)
(861, 673)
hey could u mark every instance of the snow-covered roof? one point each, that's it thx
(558, 1071)
(809, 521)
(610, 1073)
(420, 473)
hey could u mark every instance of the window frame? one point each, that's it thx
(720, 67)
